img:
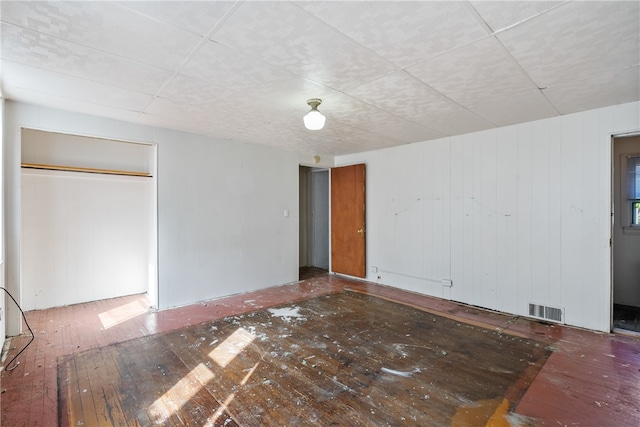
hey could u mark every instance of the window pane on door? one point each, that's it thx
(633, 177)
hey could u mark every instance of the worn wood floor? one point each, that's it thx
(588, 379)
(343, 359)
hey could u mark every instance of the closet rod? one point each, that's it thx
(80, 169)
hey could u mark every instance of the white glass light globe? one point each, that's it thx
(314, 120)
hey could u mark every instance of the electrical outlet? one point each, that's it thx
(0, 313)
(374, 269)
(447, 282)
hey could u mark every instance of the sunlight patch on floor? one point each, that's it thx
(183, 391)
(212, 420)
(121, 314)
(231, 347)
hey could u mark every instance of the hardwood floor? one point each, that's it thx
(588, 378)
(342, 359)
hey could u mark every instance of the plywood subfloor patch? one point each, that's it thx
(342, 359)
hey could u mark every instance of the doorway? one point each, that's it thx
(626, 233)
(314, 222)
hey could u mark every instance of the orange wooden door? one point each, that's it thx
(348, 220)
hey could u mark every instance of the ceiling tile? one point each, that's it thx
(503, 14)
(573, 41)
(188, 124)
(353, 112)
(415, 101)
(290, 134)
(474, 74)
(285, 36)
(334, 138)
(612, 88)
(28, 47)
(163, 107)
(520, 108)
(200, 123)
(229, 68)
(402, 32)
(51, 83)
(201, 94)
(458, 122)
(403, 94)
(107, 27)
(68, 104)
(197, 17)
(197, 92)
(231, 116)
(403, 131)
(350, 140)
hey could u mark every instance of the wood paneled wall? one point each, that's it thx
(84, 237)
(511, 215)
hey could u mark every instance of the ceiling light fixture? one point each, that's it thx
(314, 120)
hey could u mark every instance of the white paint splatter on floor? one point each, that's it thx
(400, 373)
(287, 313)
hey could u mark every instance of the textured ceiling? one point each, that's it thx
(388, 72)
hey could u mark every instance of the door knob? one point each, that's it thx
(361, 231)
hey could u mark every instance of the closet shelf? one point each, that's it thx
(87, 170)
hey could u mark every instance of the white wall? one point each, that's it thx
(511, 215)
(221, 227)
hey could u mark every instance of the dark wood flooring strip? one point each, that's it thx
(64, 388)
(108, 387)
